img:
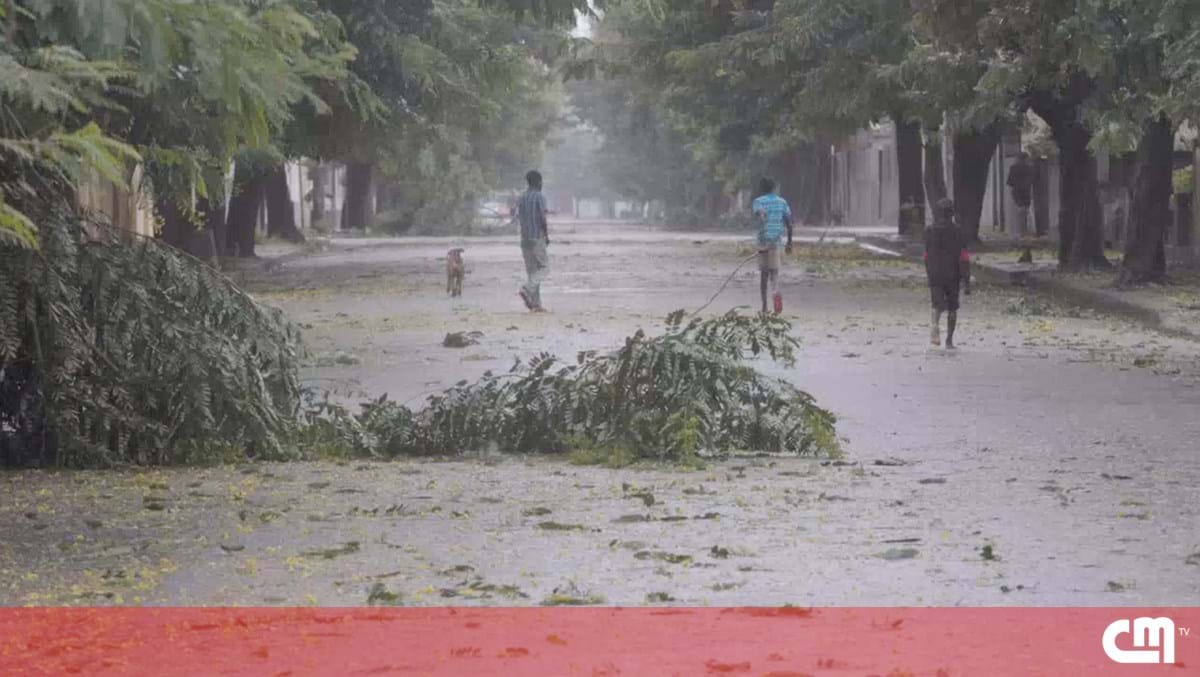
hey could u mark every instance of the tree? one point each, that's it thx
(808, 51)
(767, 81)
(197, 96)
(47, 142)
(431, 82)
(1142, 88)
(939, 77)
(92, 324)
(97, 334)
(1033, 55)
(1145, 257)
(1107, 75)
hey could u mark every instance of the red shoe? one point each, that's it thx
(778, 303)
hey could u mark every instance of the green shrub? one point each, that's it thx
(585, 452)
(329, 430)
(1183, 181)
(118, 352)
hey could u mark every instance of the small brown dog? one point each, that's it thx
(455, 271)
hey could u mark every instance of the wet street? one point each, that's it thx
(1053, 459)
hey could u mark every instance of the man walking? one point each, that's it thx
(1020, 184)
(947, 267)
(535, 238)
(773, 216)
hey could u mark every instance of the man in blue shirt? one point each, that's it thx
(535, 238)
(774, 217)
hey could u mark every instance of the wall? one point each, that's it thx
(300, 188)
(589, 209)
(334, 197)
(128, 210)
(864, 188)
(999, 209)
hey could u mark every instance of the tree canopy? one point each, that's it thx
(743, 82)
(96, 332)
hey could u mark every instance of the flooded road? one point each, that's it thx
(1054, 459)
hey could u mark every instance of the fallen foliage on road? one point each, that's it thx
(672, 397)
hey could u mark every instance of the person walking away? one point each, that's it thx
(1020, 184)
(773, 216)
(535, 239)
(947, 267)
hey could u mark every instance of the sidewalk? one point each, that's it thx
(1173, 309)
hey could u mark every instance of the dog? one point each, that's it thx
(455, 271)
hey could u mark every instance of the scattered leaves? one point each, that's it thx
(348, 548)
(379, 595)
(558, 526)
(897, 554)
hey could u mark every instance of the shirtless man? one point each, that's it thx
(948, 268)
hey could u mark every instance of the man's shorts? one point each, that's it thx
(944, 297)
(770, 259)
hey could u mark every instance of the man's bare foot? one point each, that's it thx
(538, 309)
(935, 338)
(950, 345)
(525, 299)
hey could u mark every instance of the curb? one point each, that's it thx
(1047, 285)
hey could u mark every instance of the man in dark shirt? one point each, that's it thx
(947, 267)
(1020, 183)
(535, 238)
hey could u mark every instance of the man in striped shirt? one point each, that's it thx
(773, 216)
(535, 238)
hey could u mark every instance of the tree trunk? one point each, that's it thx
(180, 229)
(383, 197)
(1041, 197)
(935, 168)
(1150, 211)
(973, 153)
(1081, 245)
(177, 227)
(213, 213)
(389, 197)
(911, 179)
(1080, 242)
(784, 169)
(359, 213)
(248, 189)
(802, 175)
(712, 204)
(281, 213)
(816, 211)
(320, 178)
(811, 166)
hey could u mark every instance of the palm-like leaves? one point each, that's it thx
(41, 88)
(112, 353)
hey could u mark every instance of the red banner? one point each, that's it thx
(788, 642)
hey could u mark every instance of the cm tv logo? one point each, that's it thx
(1153, 639)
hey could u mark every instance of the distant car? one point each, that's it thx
(494, 215)
(493, 208)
